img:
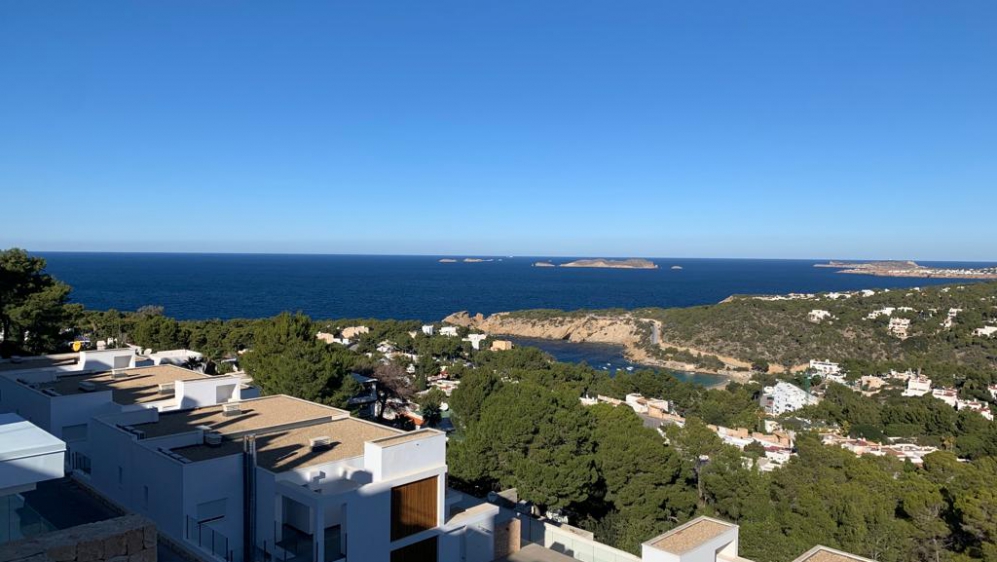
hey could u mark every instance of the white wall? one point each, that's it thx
(204, 392)
(390, 462)
(30, 470)
(26, 402)
(141, 466)
(106, 360)
(725, 544)
(77, 409)
(212, 480)
(368, 517)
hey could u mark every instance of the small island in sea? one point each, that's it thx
(613, 264)
(448, 260)
(909, 269)
(543, 264)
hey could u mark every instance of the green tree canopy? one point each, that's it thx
(32, 305)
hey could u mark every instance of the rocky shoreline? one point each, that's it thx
(622, 330)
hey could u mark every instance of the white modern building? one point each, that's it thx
(287, 478)
(948, 395)
(428, 329)
(985, 332)
(705, 539)
(785, 397)
(825, 367)
(476, 340)
(885, 311)
(977, 406)
(28, 455)
(899, 327)
(817, 315)
(917, 385)
(62, 399)
(449, 331)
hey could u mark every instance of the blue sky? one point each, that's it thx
(660, 128)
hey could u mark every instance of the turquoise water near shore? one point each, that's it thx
(606, 357)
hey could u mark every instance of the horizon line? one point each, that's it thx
(496, 256)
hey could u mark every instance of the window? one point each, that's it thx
(422, 551)
(414, 507)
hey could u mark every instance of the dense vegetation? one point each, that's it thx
(520, 424)
(778, 331)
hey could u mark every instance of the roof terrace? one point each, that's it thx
(247, 416)
(292, 448)
(691, 535)
(128, 386)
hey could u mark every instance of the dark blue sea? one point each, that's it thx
(195, 286)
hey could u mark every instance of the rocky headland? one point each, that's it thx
(636, 335)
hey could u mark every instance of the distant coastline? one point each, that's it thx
(602, 263)
(466, 260)
(909, 269)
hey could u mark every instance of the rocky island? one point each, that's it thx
(543, 264)
(909, 269)
(612, 264)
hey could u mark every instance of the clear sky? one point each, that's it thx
(761, 128)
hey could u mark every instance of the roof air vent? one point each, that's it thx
(167, 388)
(231, 409)
(212, 439)
(320, 443)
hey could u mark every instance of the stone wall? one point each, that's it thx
(123, 539)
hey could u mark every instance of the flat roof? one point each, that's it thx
(256, 414)
(39, 362)
(289, 449)
(398, 439)
(687, 537)
(140, 385)
(20, 438)
(825, 554)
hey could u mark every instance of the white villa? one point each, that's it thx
(817, 316)
(785, 397)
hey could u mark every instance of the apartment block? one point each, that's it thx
(62, 398)
(285, 478)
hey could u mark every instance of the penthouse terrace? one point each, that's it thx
(248, 416)
(128, 386)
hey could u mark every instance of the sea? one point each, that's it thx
(201, 286)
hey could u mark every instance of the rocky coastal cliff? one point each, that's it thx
(637, 335)
(620, 330)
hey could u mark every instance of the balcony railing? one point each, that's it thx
(209, 540)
